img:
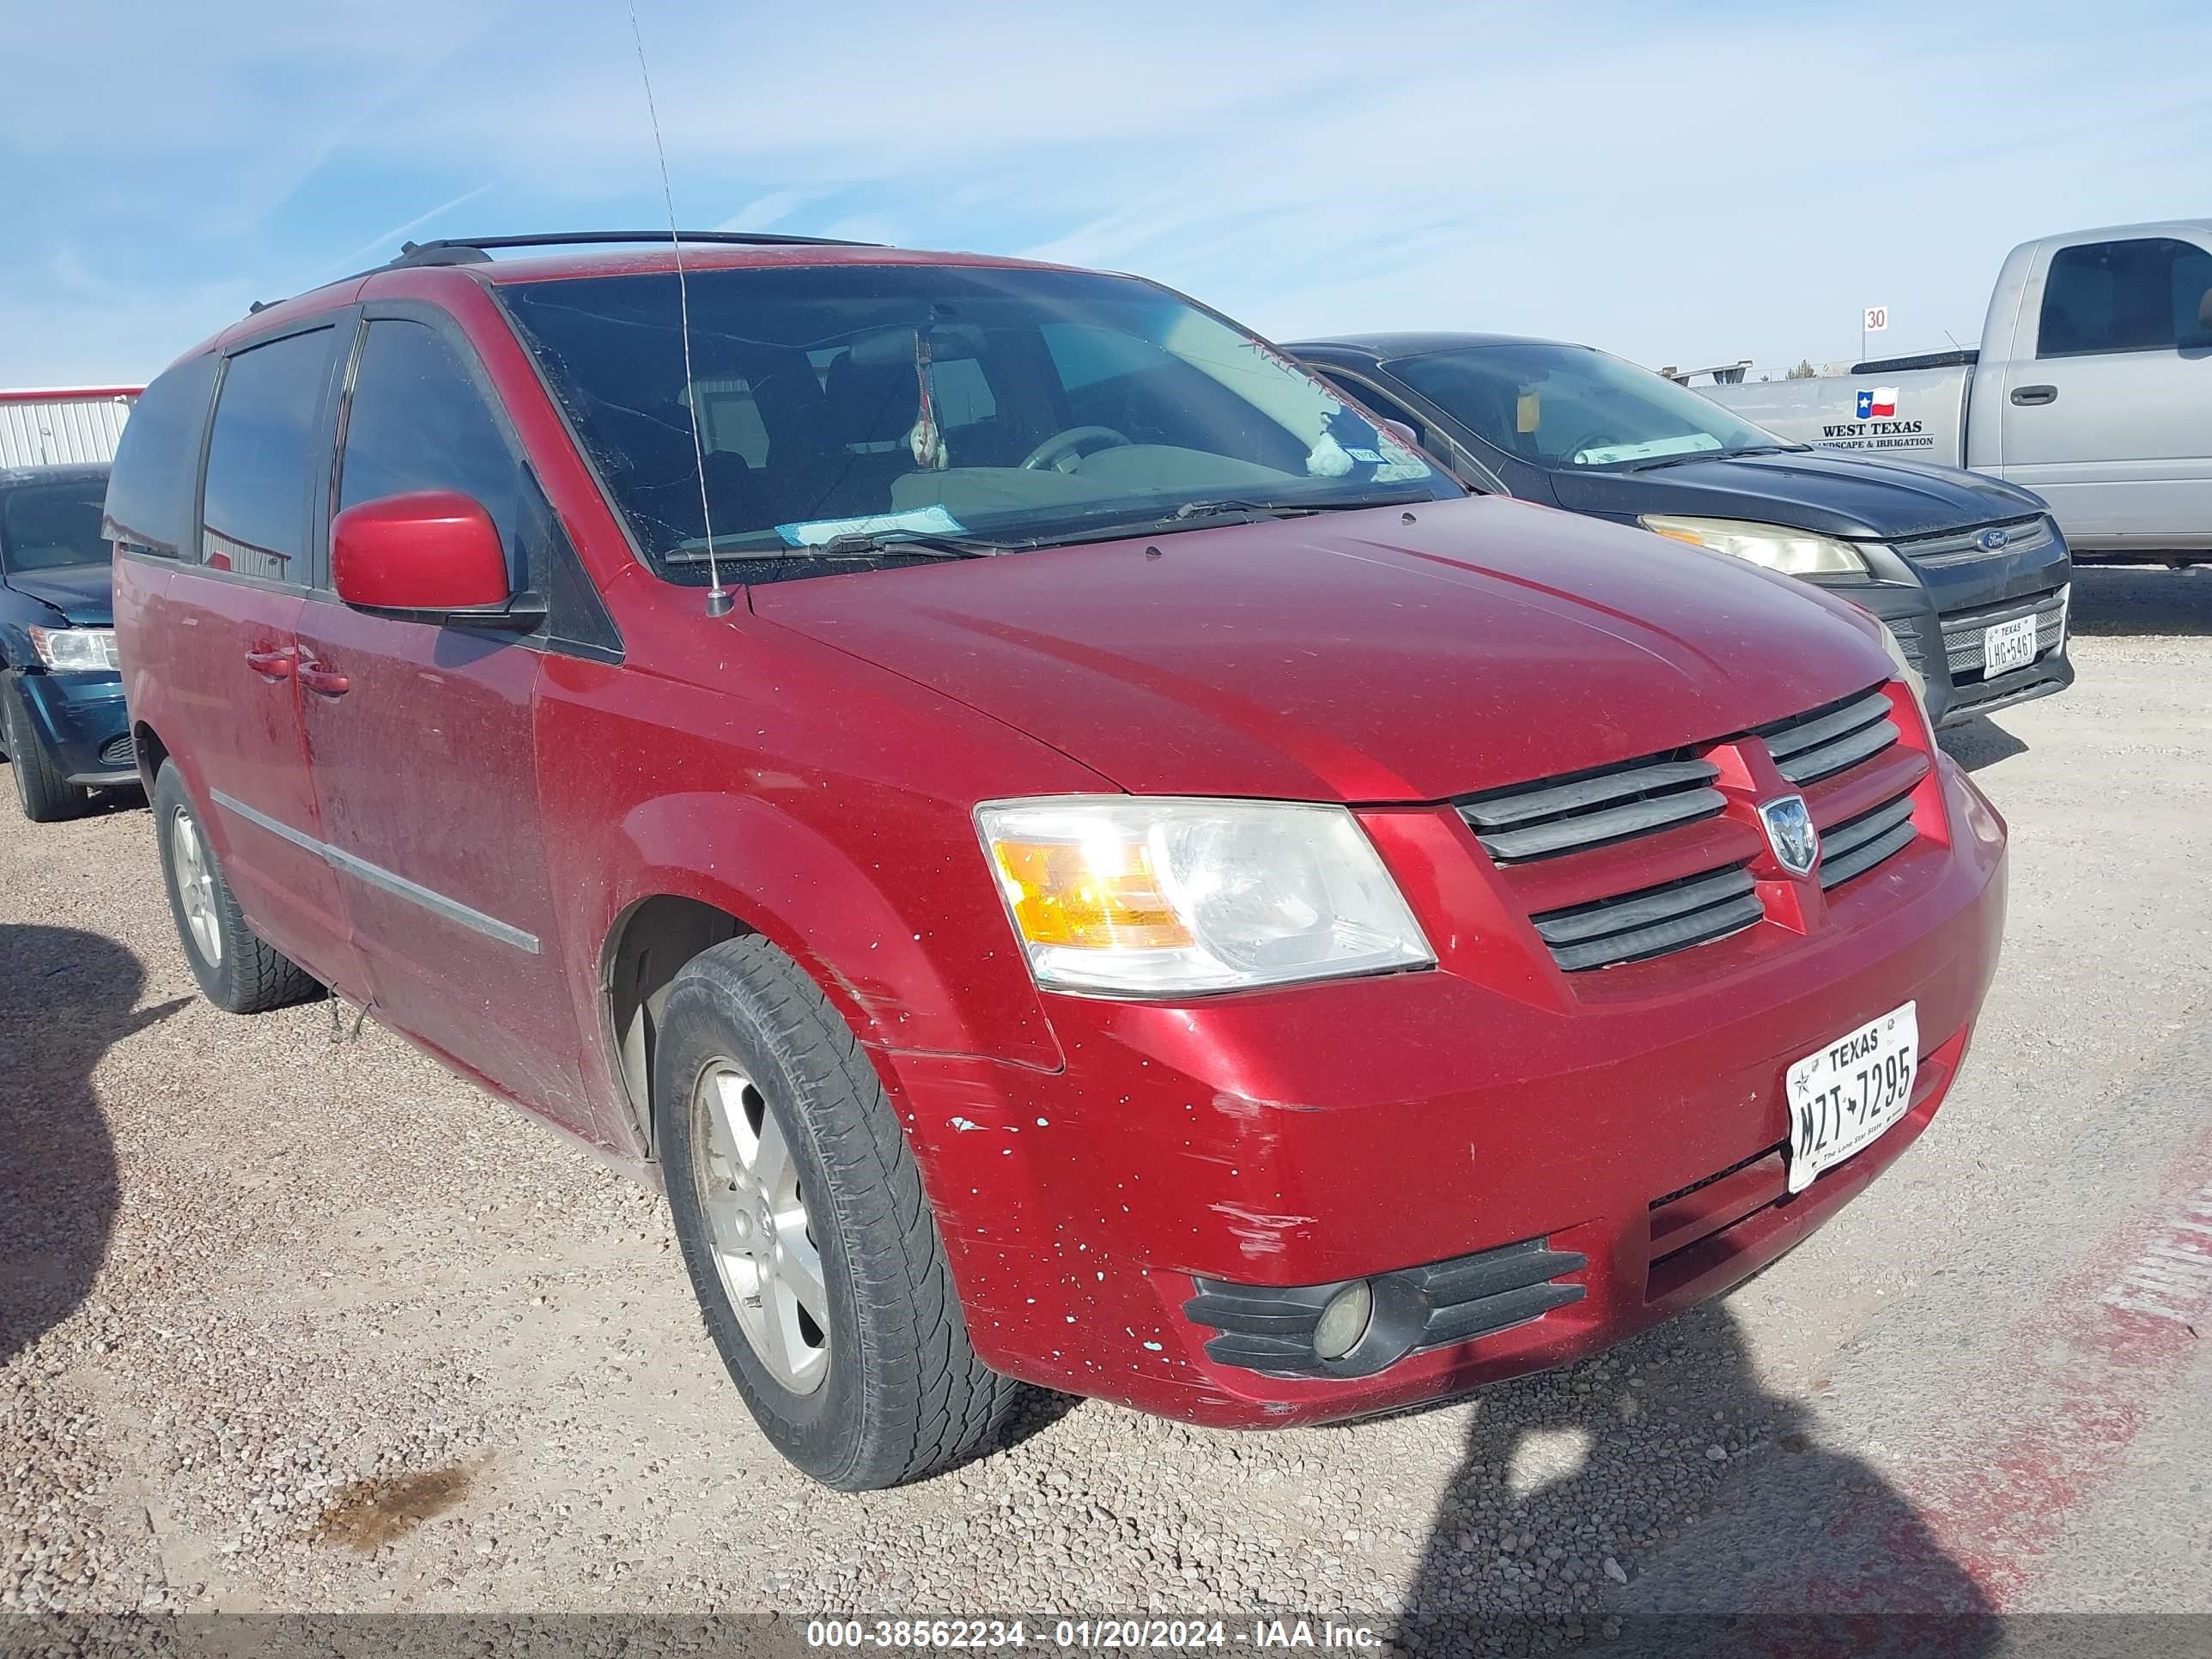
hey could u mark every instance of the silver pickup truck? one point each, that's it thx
(2093, 387)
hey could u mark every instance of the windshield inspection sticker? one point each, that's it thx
(928, 521)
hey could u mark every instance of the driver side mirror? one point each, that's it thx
(2204, 311)
(1400, 429)
(433, 555)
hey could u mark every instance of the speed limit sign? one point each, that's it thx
(1877, 318)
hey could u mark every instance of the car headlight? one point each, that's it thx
(1774, 546)
(76, 648)
(1133, 896)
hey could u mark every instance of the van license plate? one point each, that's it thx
(1842, 1097)
(2009, 645)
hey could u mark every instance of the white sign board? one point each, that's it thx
(1877, 318)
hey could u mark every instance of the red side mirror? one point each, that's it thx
(431, 550)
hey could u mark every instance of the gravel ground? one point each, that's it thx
(293, 1324)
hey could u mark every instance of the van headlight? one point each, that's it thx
(1772, 546)
(1134, 896)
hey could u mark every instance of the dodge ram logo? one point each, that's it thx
(1790, 833)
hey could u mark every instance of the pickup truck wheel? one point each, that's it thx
(44, 795)
(804, 1226)
(237, 969)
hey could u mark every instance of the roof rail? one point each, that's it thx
(475, 250)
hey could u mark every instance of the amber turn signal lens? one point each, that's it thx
(1100, 895)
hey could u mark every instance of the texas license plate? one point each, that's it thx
(1844, 1096)
(2009, 645)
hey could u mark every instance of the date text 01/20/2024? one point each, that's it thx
(1090, 1635)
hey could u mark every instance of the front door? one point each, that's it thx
(230, 625)
(423, 746)
(2110, 420)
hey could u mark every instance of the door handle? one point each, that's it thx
(272, 665)
(324, 683)
(2026, 396)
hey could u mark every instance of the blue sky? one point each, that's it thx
(1681, 183)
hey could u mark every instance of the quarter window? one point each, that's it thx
(2144, 295)
(149, 493)
(254, 520)
(418, 421)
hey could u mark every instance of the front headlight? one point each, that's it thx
(1160, 897)
(1776, 547)
(76, 648)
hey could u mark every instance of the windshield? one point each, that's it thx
(44, 526)
(998, 407)
(1560, 406)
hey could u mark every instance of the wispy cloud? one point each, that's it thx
(1713, 182)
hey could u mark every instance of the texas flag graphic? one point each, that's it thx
(1877, 403)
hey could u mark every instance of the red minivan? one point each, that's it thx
(1289, 940)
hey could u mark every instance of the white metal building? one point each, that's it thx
(50, 426)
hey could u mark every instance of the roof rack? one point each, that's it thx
(475, 250)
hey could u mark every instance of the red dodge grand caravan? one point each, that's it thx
(1287, 940)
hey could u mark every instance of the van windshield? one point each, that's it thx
(1567, 406)
(1000, 407)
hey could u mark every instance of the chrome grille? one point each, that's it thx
(1965, 546)
(1809, 747)
(1566, 815)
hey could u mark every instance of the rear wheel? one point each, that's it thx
(238, 970)
(809, 1242)
(44, 795)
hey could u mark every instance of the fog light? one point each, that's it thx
(1343, 1321)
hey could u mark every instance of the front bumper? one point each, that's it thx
(1303, 1137)
(81, 720)
(1972, 593)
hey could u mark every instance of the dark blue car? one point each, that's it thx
(62, 718)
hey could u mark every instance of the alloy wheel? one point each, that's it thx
(196, 886)
(762, 1239)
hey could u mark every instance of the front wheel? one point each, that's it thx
(809, 1242)
(44, 795)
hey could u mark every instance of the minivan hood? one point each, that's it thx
(1353, 656)
(81, 592)
(1826, 491)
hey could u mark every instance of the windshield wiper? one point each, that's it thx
(853, 544)
(1719, 455)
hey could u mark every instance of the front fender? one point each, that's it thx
(934, 971)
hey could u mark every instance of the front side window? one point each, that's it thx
(1569, 406)
(45, 526)
(416, 420)
(259, 456)
(1011, 407)
(2144, 295)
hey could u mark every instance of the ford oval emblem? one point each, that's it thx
(1992, 541)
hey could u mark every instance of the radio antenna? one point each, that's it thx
(718, 600)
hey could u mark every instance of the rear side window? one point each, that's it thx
(149, 493)
(418, 421)
(259, 458)
(2142, 294)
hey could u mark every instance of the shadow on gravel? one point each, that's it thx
(1778, 1546)
(1980, 742)
(64, 997)
(2127, 601)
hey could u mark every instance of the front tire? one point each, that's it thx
(238, 970)
(810, 1243)
(44, 795)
